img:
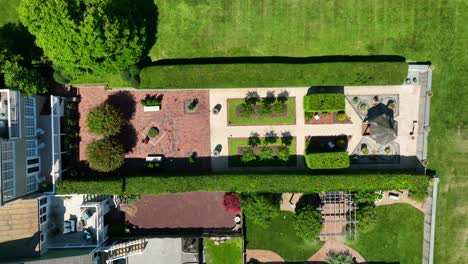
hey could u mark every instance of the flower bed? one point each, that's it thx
(288, 117)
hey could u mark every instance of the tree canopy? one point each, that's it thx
(86, 36)
(17, 76)
(105, 155)
(105, 120)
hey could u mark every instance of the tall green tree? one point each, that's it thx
(83, 37)
(17, 76)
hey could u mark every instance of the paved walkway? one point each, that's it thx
(403, 198)
(337, 246)
(221, 131)
(263, 256)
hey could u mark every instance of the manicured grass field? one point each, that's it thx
(234, 158)
(420, 30)
(229, 252)
(281, 238)
(8, 13)
(397, 237)
(288, 119)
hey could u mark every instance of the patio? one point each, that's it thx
(182, 134)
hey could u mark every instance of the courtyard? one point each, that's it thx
(181, 133)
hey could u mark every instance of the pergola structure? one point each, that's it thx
(339, 215)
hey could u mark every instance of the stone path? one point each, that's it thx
(337, 246)
(263, 256)
(221, 131)
(403, 198)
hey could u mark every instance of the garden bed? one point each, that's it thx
(238, 145)
(235, 118)
(325, 118)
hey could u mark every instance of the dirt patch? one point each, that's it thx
(326, 118)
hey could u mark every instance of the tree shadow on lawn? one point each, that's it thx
(16, 39)
(143, 13)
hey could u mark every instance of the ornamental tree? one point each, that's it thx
(105, 120)
(16, 76)
(86, 36)
(105, 155)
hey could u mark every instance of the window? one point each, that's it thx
(30, 116)
(43, 201)
(43, 219)
(8, 170)
(43, 210)
(31, 148)
(33, 169)
(31, 182)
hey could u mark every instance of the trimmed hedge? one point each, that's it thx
(88, 186)
(327, 160)
(247, 183)
(326, 102)
(273, 74)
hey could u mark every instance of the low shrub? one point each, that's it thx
(327, 160)
(231, 202)
(246, 110)
(341, 143)
(279, 108)
(266, 153)
(273, 75)
(308, 223)
(105, 120)
(105, 155)
(341, 116)
(283, 153)
(152, 165)
(367, 218)
(151, 102)
(339, 258)
(260, 208)
(248, 155)
(325, 102)
(59, 78)
(265, 110)
(153, 132)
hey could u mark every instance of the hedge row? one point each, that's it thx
(327, 160)
(249, 183)
(273, 74)
(326, 102)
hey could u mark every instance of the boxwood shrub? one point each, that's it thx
(327, 160)
(325, 102)
(273, 74)
(248, 183)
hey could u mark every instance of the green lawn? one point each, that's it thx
(281, 238)
(420, 30)
(397, 237)
(288, 119)
(229, 252)
(234, 159)
(8, 11)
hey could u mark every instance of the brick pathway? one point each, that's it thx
(337, 246)
(181, 133)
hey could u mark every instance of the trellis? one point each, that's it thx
(339, 215)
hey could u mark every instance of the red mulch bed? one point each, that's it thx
(330, 118)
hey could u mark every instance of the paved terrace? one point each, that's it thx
(181, 133)
(409, 96)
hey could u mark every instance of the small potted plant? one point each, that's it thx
(388, 150)
(356, 100)
(363, 107)
(364, 149)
